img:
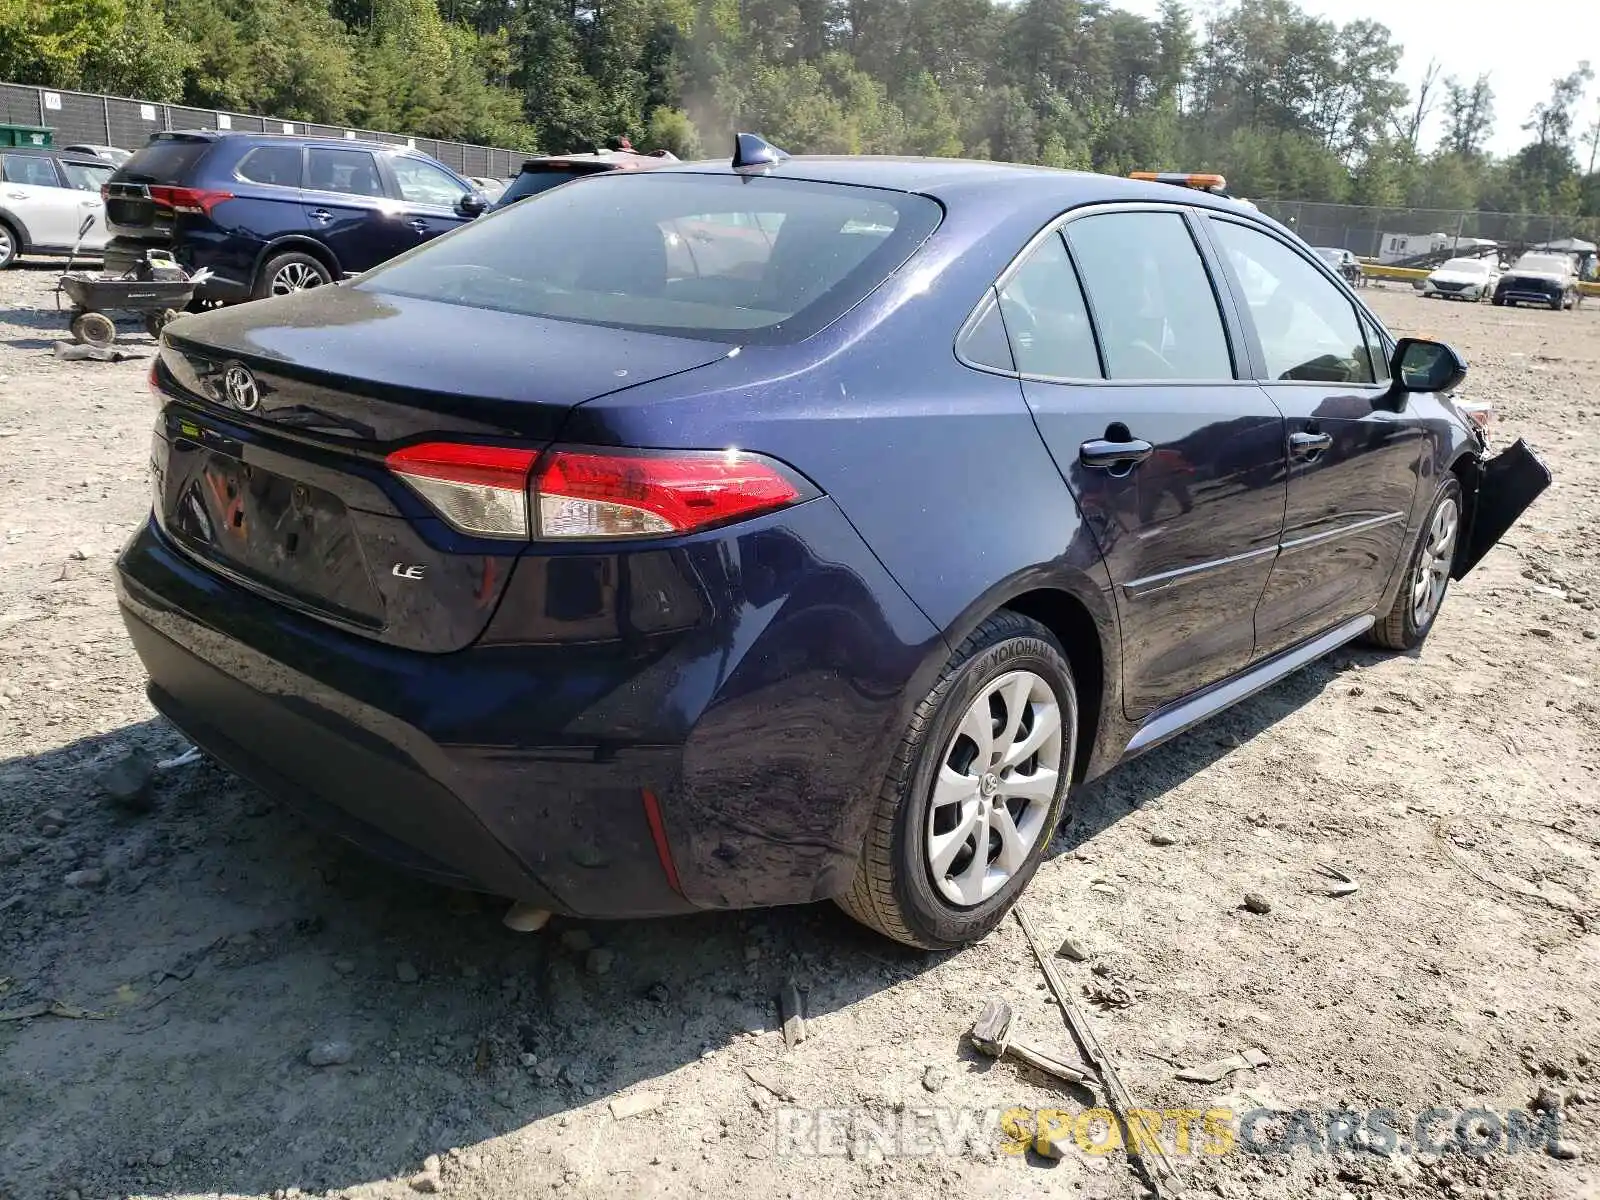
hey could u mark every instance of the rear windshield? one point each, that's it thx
(1549, 264)
(721, 257)
(166, 160)
(541, 179)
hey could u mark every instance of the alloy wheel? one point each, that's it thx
(1433, 571)
(295, 277)
(7, 246)
(994, 789)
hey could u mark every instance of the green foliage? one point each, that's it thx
(125, 46)
(1285, 103)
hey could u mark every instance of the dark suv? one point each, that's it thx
(269, 214)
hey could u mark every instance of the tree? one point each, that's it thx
(1469, 116)
(1551, 120)
(123, 46)
(1409, 127)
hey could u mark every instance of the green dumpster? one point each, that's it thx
(26, 135)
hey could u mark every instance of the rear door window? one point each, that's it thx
(278, 166)
(423, 183)
(350, 172)
(729, 258)
(30, 170)
(1154, 307)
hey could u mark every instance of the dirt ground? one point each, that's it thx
(200, 950)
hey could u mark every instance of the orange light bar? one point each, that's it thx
(1206, 183)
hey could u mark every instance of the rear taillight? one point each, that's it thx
(477, 489)
(601, 494)
(188, 200)
(576, 495)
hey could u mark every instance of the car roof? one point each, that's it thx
(76, 157)
(308, 139)
(1016, 186)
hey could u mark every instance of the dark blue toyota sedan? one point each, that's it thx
(784, 530)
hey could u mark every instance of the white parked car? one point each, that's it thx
(45, 195)
(1463, 279)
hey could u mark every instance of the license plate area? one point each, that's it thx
(279, 534)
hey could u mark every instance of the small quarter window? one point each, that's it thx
(985, 343)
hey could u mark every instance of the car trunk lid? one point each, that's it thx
(270, 468)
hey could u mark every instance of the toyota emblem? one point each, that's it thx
(239, 386)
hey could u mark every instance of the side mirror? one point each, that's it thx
(472, 204)
(1423, 366)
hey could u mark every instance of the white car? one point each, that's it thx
(44, 197)
(1463, 279)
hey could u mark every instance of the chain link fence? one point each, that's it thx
(86, 118)
(1393, 235)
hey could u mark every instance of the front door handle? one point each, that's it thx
(419, 225)
(320, 214)
(1309, 445)
(1110, 456)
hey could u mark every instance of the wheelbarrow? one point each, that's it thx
(157, 288)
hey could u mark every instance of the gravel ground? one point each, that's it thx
(201, 950)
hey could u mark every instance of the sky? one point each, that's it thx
(1522, 46)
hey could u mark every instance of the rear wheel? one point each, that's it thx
(290, 273)
(10, 245)
(94, 329)
(1427, 579)
(974, 792)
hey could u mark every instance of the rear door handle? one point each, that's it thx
(1109, 456)
(1309, 445)
(419, 225)
(320, 214)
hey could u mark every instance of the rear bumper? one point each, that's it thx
(521, 767)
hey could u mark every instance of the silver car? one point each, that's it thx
(45, 195)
